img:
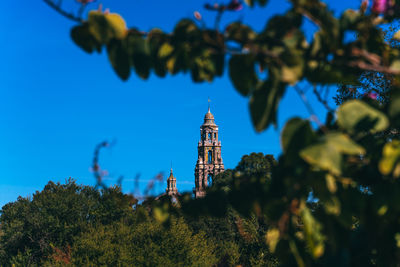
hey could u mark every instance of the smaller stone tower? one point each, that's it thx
(171, 185)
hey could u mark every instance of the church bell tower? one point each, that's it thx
(171, 185)
(209, 160)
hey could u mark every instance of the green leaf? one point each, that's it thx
(292, 75)
(332, 206)
(165, 50)
(265, 100)
(349, 19)
(140, 55)
(117, 24)
(327, 154)
(272, 238)
(296, 135)
(390, 157)
(344, 144)
(119, 58)
(104, 27)
(82, 36)
(397, 35)
(156, 38)
(185, 30)
(242, 73)
(313, 233)
(395, 66)
(324, 156)
(239, 32)
(161, 213)
(356, 116)
(206, 66)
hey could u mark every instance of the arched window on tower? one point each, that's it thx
(209, 179)
(209, 136)
(210, 159)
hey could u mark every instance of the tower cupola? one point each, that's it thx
(209, 160)
(171, 185)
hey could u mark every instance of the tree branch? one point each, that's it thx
(57, 8)
(314, 117)
(320, 99)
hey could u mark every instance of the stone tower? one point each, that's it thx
(171, 185)
(209, 160)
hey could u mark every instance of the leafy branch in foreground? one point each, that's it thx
(280, 51)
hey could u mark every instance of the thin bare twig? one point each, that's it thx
(218, 19)
(57, 8)
(97, 171)
(320, 99)
(369, 67)
(309, 108)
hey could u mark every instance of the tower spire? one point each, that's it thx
(171, 184)
(209, 160)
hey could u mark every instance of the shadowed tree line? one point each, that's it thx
(70, 224)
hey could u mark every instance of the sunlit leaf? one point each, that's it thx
(161, 214)
(343, 143)
(390, 157)
(313, 233)
(272, 238)
(117, 24)
(165, 50)
(327, 154)
(357, 116)
(106, 26)
(324, 156)
(331, 183)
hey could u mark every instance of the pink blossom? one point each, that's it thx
(234, 5)
(197, 15)
(380, 6)
(372, 95)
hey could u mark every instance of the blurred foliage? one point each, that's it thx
(371, 84)
(332, 197)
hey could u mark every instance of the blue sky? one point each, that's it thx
(57, 102)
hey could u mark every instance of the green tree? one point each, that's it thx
(145, 244)
(253, 164)
(54, 216)
(239, 240)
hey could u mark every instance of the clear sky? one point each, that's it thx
(57, 102)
